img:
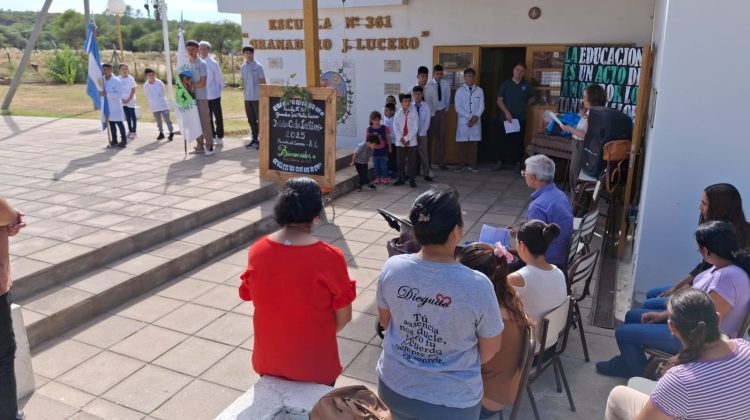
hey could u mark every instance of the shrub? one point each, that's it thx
(65, 66)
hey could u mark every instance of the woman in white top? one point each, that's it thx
(540, 285)
(593, 95)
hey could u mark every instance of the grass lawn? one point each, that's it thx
(60, 101)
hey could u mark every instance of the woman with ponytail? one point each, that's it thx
(706, 380)
(442, 320)
(727, 283)
(540, 285)
(502, 374)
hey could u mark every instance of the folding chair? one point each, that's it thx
(527, 361)
(582, 270)
(554, 328)
(575, 240)
(586, 229)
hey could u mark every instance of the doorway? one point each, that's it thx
(496, 66)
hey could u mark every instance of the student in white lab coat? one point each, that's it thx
(113, 93)
(469, 103)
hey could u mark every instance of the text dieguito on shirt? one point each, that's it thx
(412, 293)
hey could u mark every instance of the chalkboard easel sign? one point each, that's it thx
(298, 136)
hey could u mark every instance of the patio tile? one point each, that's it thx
(59, 253)
(231, 329)
(138, 264)
(147, 389)
(103, 280)
(220, 297)
(149, 343)
(65, 394)
(218, 272)
(105, 331)
(60, 356)
(198, 400)
(109, 410)
(348, 350)
(363, 366)
(149, 309)
(186, 289)
(235, 371)
(361, 328)
(101, 372)
(365, 302)
(100, 238)
(39, 406)
(189, 318)
(193, 356)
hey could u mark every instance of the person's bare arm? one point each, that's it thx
(343, 316)
(686, 281)
(8, 215)
(650, 412)
(384, 315)
(516, 280)
(574, 131)
(488, 347)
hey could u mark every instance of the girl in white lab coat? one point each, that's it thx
(469, 102)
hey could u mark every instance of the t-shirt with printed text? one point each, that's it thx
(438, 311)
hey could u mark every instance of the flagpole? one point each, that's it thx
(167, 53)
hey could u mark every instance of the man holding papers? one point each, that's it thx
(513, 97)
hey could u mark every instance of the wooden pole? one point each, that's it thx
(119, 36)
(312, 44)
(636, 148)
(27, 55)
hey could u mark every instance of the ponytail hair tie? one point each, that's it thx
(501, 251)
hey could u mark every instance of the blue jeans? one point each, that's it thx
(654, 302)
(633, 336)
(405, 408)
(380, 165)
(130, 118)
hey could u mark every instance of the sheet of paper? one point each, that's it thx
(554, 118)
(490, 235)
(512, 127)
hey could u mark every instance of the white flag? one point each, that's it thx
(187, 108)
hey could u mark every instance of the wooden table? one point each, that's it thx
(552, 146)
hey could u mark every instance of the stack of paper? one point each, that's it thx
(491, 235)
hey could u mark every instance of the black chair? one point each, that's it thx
(554, 334)
(582, 271)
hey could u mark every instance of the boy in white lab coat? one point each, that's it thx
(469, 102)
(113, 94)
(405, 130)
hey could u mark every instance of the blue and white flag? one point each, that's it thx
(95, 80)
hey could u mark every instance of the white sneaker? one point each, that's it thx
(218, 141)
(209, 152)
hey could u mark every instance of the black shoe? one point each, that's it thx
(413, 183)
(170, 137)
(372, 187)
(122, 144)
(161, 136)
(428, 179)
(400, 181)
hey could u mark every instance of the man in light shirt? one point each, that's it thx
(215, 83)
(429, 96)
(423, 111)
(199, 74)
(442, 88)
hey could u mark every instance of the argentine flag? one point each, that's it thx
(95, 82)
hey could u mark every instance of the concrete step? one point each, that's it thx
(54, 275)
(72, 302)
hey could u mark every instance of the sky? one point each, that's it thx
(194, 10)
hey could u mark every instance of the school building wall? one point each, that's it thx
(449, 22)
(699, 134)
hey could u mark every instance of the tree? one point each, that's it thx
(216, 33)
(69, 29)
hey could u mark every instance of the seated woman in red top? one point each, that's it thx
(301, 291)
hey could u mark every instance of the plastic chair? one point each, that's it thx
(554, 328)
(527, 362)
(582, 271)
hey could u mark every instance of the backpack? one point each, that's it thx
(350, 403)
(605, 125)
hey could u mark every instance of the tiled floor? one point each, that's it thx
(182, 351)
(79, 195)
